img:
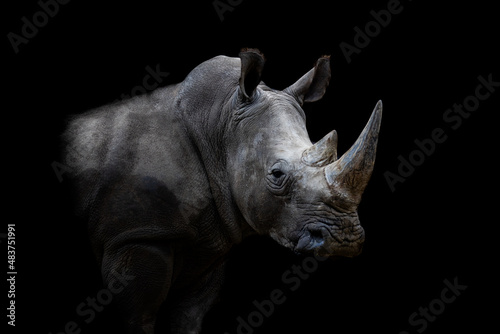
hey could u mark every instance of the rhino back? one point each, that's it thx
(138, 175)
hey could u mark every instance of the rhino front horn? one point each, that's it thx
(350, 174)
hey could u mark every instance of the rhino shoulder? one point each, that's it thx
(140, 138)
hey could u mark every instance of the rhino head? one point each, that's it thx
(285, 186)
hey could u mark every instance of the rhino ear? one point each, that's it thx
(252, 63)
(312, 86)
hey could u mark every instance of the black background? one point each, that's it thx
(439, 224)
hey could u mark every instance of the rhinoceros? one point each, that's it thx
(170, 181)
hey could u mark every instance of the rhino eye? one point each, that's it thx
(279, 178)
(277, 173)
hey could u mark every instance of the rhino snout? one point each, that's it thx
(327, 239)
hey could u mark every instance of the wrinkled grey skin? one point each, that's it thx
(170, 181)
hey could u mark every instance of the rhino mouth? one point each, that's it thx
(327, 240)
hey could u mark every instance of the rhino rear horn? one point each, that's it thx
(323, 152)
(252, 64)
(312, 85)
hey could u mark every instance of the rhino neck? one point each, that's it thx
(200, 103)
